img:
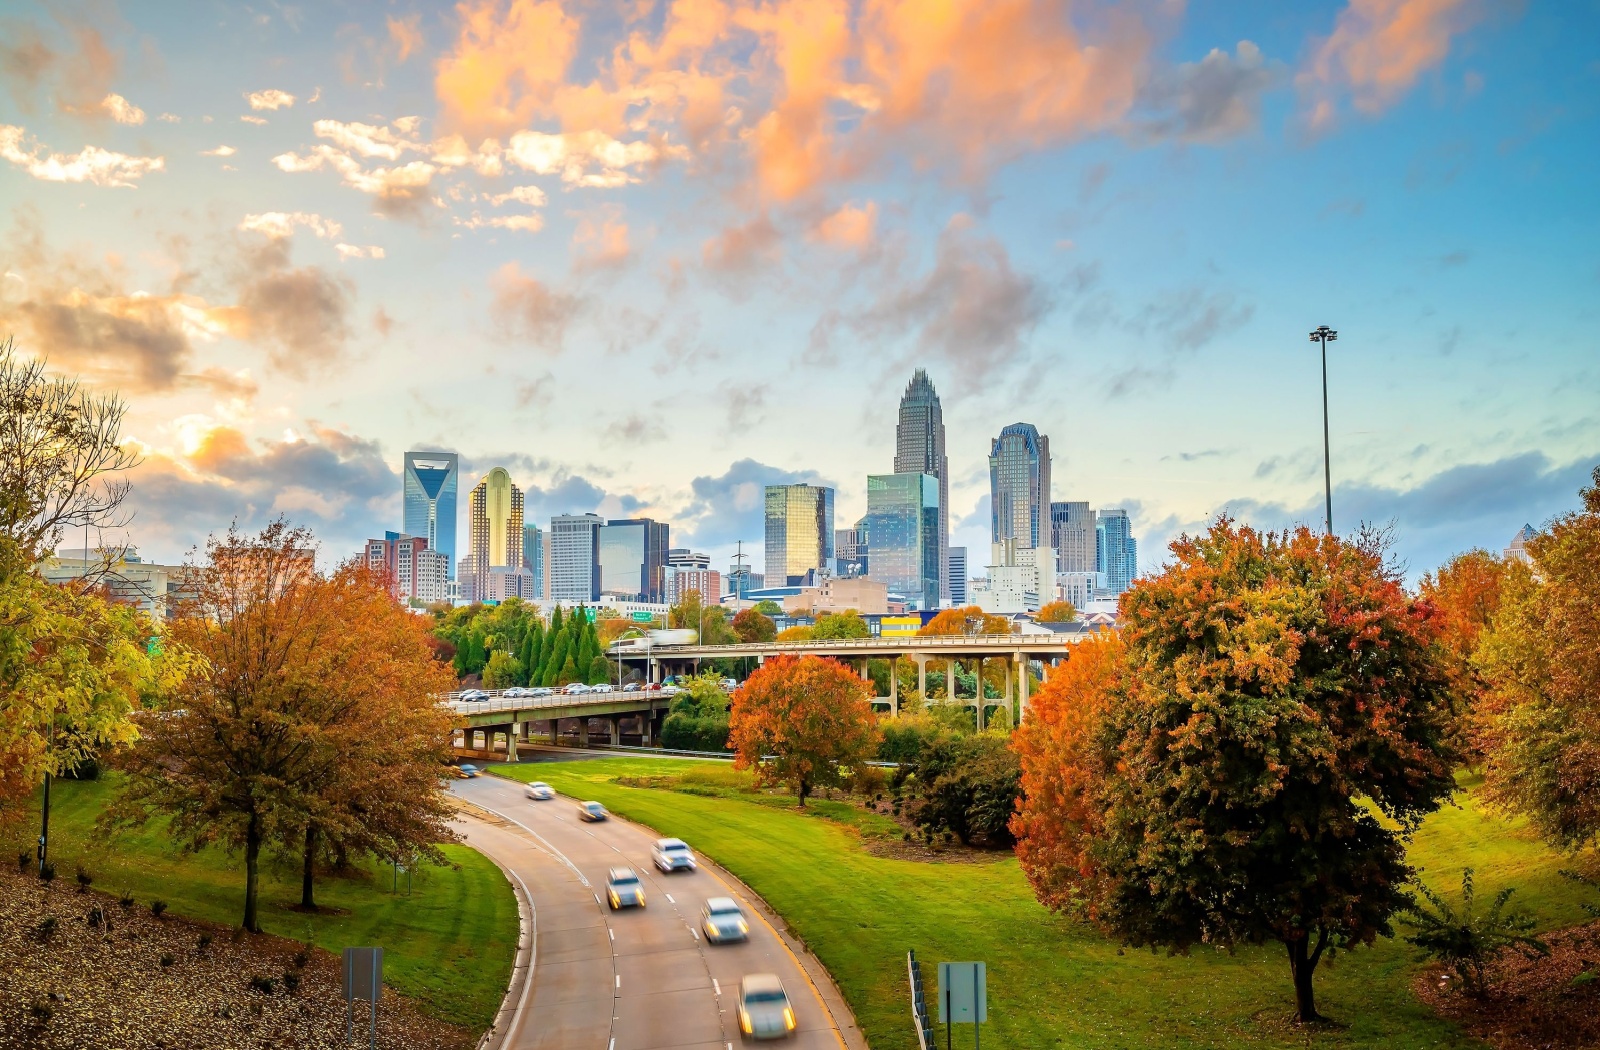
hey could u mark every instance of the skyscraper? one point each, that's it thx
(632, 555)
(799, 533)
(850, 550)
(575, 557)
(533, 556)
(428, 486)
(1019, 486)
(958, 576)
(494, 511)
(1072, 534)
(919, 448)
(1117, 553)
(903, 524)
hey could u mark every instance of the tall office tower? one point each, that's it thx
(741, 581)
(428, 486)
(633, 559)
(919, 448)
(533, 556)
(850, 550)
(958, 576)
(903, 520)
(1116, 550)
(1019, 486)
(410, 570)
(799, 533)
(1072, 534)
(494, 522)
(575, 557)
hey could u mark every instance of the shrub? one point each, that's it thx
(264, 985)
(167, 959)
(301, 957)
(46, 927)
(1468, 943)
(963, 788)
(47, 872)
(203, 942)
(291, 981)
(126, 900)
(24, 860)
(157, 907)
(41, 1011)
(97, 916)
(85, 880)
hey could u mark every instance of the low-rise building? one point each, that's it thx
(835, 595)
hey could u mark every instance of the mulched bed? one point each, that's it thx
(1536, 1004)
(106, 985)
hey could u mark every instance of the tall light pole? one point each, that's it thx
(1325, 335)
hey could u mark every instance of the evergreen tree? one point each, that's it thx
(599, 671)
(557, 660)
(569, 672)
(530, 654)
(547, 647)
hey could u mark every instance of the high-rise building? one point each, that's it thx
(741, 581)
(428, 485)
(681, 579)
(684, 558)
(1072, 534)
(1517, 549)
(1116, 551)
(958, 576)
(850, 550)
(494, 537)
(919, 448)
(1019, 486)
(799, 533)
(903, 521)
(533, 541)
(409, 568)
(632, 556)
(1018, 580)
(575, 557)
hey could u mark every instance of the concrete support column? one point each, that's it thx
(511, 743)
(922, 675)
(583, 732)
(950, 689)
(1022, 688)
(616, 729)
(644, 728)
(894, 687)
(655, 671)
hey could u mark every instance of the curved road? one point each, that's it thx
(636, 979)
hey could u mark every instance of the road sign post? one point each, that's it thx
(963, 998)
(363, 979)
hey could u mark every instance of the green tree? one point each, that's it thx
(966, 785)
(569, 672)
(560, 658)
(847, 624)
(768, 607)
(501, 671)
(697, 720)
(529, 656)
(599, 670)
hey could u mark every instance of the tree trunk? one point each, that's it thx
(801, 789)
(252, 855)
(1303, 959)
(307, 901)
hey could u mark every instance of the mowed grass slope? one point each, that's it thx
(450, 943)
(1052, 983)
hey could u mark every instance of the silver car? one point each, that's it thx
(764, 1008)
(723, 921)
(591, 811)
(672, 855)
(540, 791)
(623, 889)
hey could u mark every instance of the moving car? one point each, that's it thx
(764, 1008)
(623, 889)
(540, 790)
(723, 921)
(631, 687)
(591, 811)
(672, 855)
(472, 696)
(466, 770)
(575, 688)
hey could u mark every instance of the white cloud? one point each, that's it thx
(170, 118)
(532, 196)
(220, 151)
(527, 223)
(453, 152)
(121, 110)
(572, 156)
(405, 182)
(352, 251)
(271, 98)
(90, 164)
(277, 224)
(365, 139)
(248, 119)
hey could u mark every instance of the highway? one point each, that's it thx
(636, 979)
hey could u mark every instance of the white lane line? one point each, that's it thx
(695, 932)
(562, 857)
(596, 898)
(715, 987)
(619, 980)
(612, 932)
(670, 900)
(533, 954)
(614, 1043)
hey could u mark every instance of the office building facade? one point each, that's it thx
(799, 533)
(428, 487)
(411, 570)
(681, 579)
(1117, 553)
(1019, 486)
(850, 550)
(903, 520)
(632, 557)
(1072, 534)
(575, 557)
(533, 544)
(494, 536)
(957, 560)
(919, 448)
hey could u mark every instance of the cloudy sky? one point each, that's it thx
(651, 255)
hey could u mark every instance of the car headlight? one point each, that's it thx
(744, 1020)
(744, 927)
(614, 900)
(788, 1018)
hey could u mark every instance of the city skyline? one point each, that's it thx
(301, 262)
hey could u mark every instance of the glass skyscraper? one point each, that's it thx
(575, 557)
(1116, 551)
(1073, 535)
(428, 486)
(533, 556)
(919, 448)
(1019, 486)
(903, 515)
(632, 555)
(799, 533)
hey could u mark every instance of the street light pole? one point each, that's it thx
(1323, 336)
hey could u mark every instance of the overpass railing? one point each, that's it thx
(530, 703)
(907, 643)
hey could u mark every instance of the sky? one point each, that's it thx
(651, 256)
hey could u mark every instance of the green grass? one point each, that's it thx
(1052, 983)
(450, 944)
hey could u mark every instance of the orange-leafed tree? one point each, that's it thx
(1057, 612)
(968, 620)
(1466, 592)
(797, 721)
(1065, 761)
(752, 626)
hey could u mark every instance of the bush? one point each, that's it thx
(85, 880)
(126, 900)
(291, 981)
(47, 872)
(157, 907)
(687, 732)
(203, 942)
(964, 787)
(46, 927)
(1467, 943)
(301, 957)
(264, 985)
(167, 959)
(24, 861)
(907, 737)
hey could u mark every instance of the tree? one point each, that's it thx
(811, 715)
(599, 670)
(1277, 696)
(1056, 612)
(970, 620)
(1466, 592)
(698, 717)
(768, 607)
(752, 626)
(797, 633)
(710, 620)
(966, 785)
(847, 624)
(501, 671)
(1541, 660)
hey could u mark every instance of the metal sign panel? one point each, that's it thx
(641, 616)
(363, 974)
(963, 993)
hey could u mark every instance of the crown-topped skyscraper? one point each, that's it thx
(919, 449)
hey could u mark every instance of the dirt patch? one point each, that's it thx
(79, 970)
(899, 849)
(1537, 1004)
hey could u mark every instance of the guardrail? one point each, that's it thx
(525, 703)
(919, 1004)
(560, 694)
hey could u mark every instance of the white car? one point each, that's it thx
(575, 688)
(540, 791)
(723, 921)
(672, 855)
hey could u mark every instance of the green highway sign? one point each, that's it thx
(640, 616)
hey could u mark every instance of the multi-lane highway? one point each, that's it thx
(637, 979)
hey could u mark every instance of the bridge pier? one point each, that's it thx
(615, 722)
(1022, 688)
(951, 683)
(511, 742)
(894, 687)
(583, 732)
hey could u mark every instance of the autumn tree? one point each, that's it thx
(752, 626)
(1250, 766)
(970, 620)
(1056, 612)
(1466, 593)
(1540, 658)
(797, 720)
(847, 624)
(796, 633)
(710, 620)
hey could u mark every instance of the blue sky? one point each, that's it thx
(649, 257)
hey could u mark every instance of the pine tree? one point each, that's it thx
(599, 671)
(569, 672)
(530, 654)
(557, 660)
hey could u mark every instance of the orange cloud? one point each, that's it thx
(601, 240)
(507, 65)
(1377, 51)
(406, 35)
(849, 227)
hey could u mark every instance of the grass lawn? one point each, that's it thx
(1052, 983)
(449, 944)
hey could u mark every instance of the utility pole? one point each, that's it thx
(1325, 335)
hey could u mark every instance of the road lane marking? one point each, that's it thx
(670, 900)
(562, 857)
(695, 932)
(612, 932)
(715, 986)
(619, 980)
